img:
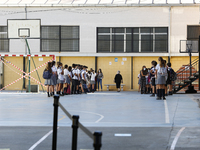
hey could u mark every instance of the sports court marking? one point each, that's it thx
(166, 112)
(124, 135)
(101, 116)
(176, 138)
(40, 141)
(99, 93)
(62, 118)
(44, 137)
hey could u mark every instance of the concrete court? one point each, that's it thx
(153, 125)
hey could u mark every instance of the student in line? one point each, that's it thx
(48, 82)
(83, 80)
(74, 78)
(54, 77)
(66, 78)
(148, 80)
(88, 80)
(169, 81)
(60, 80)
(152, 73)
(93, 75)
(78, 72)
(143, 74)
(118, 80)
(161, 73)
(57, 77)
(99, 78)
(139, 82)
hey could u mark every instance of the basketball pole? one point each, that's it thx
(30, 66)
(29, 70)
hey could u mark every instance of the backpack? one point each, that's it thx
(46, 74)
(173, 75)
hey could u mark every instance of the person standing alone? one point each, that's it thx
(99, 78)
(118, 80)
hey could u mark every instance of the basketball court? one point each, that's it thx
(128, 120)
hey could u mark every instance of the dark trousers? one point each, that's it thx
(73, 89)
(143, 85)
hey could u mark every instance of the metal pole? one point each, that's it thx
(74, 131)
(199, 62)
(190, 63)
(29, 70)
(33, 62)
(97, 140)
(55, 121)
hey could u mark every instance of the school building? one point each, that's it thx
(108, 34)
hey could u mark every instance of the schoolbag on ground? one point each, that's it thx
(173, 75)
(46, 74)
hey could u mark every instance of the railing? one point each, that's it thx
(96, 137)
(187, 74)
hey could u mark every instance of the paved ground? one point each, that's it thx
(153, 125)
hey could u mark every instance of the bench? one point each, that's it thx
(122, 86)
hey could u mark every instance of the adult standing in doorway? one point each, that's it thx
(118, 80)
(99, 78)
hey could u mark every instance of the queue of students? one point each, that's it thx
(156, 79)
(75, 79)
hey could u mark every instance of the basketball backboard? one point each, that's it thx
(186, 45)
(18, 28)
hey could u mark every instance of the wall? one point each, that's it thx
(10, 75)
(110, 67)
(89, 18)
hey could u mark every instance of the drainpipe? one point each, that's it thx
(169, 35)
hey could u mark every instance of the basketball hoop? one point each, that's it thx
(22, 39)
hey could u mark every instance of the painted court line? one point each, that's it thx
(166, 112)
(120, 134)
(176, 138)
(40, 141)
(101, 116)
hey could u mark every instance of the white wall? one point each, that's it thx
(89, 18)
(180, 18)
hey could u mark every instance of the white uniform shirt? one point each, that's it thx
(54, 69)
(83, 74)
(66, 72)
(153, 71)
(70, 74)
(139, 76)
(93, 75)
(161, 70)
(60, 76)
(78, 73)
(74, 71)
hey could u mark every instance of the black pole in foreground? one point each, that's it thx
(199, 61)
(97, 140)
(55, 122)
(74, 131)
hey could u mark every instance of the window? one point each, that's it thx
(193, 32)
(144, 39)
(4, 42)
(59, 38)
